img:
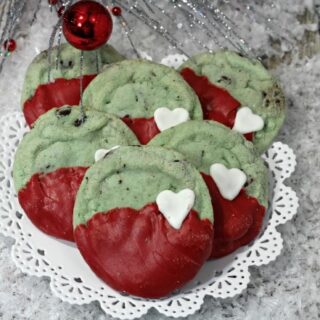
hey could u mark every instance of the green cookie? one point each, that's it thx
(69, 66)
(59, 140)
(204, 143)
(133, 177)
(248, 82)
(136, 89)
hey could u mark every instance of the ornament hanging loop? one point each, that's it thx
(83, 114)
(87, 25)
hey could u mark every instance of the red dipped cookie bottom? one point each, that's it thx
(144, 129)
(48, 200)
(138, 252)
(236, 222)
(217, 104)
(56, 94)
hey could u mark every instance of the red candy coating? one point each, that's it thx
(138, 252)
(236, 222)
(217, 103)
(48, 200)
(53, 2)
(87, 25)
(144, 129)
(116, 11)
(10, 45)
(54, 95)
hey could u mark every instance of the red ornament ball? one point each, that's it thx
(53, 2)
(9, 45)
(116, 11)
(87, 25)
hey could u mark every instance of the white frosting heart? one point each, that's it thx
(228, 181)
(246, 121)
(166, 118)
(101, 153)
(175, 206)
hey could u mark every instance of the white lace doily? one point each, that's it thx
(72, 280)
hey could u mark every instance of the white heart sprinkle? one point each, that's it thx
(246, 121)
(228, 181)
(175, 206)
(101, 153)
(166, 118)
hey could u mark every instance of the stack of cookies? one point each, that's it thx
(163, 172)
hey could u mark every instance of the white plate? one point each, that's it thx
(73, 281)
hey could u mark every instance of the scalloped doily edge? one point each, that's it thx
(157, 304)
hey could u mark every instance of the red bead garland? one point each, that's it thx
(87, 25)
(116, 11)
(60, 11)
(10, 45)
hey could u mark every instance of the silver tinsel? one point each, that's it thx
(218, 29)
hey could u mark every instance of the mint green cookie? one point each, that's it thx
(69, 66)
(133, 177)
(59, 140)
(137, 88)
(204, 143)
(250, 83)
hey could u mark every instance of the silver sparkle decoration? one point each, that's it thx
(139, 12)
(217, 21)
(58, 56)
(201, 21)
(7, 12)
(2, 10)
(271, 26)
(83, 114)
(127, 30)
(231, 29)
(210, 20)
(209, 16)
(36, 12)
(11, 14)
(148, 6)
(97, 62)
(51, 43)
(214, 22)
(56, 29)
(201, 25)
(189, 16)
(14, 12)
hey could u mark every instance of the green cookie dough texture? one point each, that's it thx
(136, 88)
(250, 83)
(57, 141)
(69, 65)
(133, 177)
(204, 143)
